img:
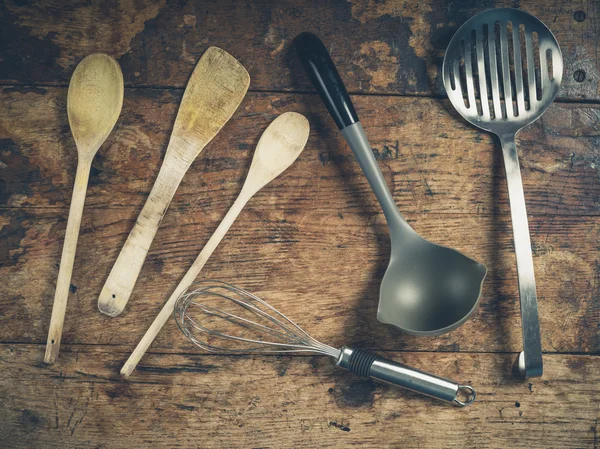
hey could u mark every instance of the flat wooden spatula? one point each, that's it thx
(213, 93)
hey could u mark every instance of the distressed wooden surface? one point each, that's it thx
(380, 46)
(334, 264)
(314, 242)
(433, 160)
(190, 400)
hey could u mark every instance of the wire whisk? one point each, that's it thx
(221, 318)
(286, 335)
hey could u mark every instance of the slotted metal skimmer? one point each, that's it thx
(502, 70)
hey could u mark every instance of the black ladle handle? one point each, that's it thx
(326, 79)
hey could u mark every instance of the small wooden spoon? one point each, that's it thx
(94, 103)
(279, 146)
(215, 90)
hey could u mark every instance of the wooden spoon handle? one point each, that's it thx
(123, 276)
(67, 259)
(187, 280)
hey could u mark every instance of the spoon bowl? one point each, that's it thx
(94, 102)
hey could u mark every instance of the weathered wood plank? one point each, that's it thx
(434, 161)
(295, 257)
(190, 400)
(380, 46)
(314, 243)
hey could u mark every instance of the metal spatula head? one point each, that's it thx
(502, 69)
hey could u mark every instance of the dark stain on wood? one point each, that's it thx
(576, 363)
(340, 426)
(120, 391)
(135, 63)
(11, 236)
(24, 57)
(16, 171)
(187, 408)
(31, 421)
(355, 393)
(282, 365)
(176, 369)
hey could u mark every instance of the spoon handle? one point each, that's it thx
(124, 274)
(530, 360)
(322, 72)
(367, 364)
(67, 259)
(187, 280)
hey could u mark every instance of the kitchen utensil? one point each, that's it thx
(213, 93)
(94, 103)
(427, 289)
(279, 146)
(219, 317)
(491, 77)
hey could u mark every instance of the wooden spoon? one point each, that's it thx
(94, 103)
(213, 93)
(279, 146)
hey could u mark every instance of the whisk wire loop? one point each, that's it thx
(292, 338)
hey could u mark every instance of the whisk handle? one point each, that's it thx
(367, 364)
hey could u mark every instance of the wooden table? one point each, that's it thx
(314, 243)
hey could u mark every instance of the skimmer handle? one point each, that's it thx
(530, 360)
(367, 364)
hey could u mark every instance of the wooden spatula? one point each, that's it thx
(94, 103)
(213, 93)
(279, 146)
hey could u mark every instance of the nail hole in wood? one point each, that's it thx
(579, 76)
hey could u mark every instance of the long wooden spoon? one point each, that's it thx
(94, 103)
(279, 146)
(213, 93)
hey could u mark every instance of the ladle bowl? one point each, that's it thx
(428, 289)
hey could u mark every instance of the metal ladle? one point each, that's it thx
(427, 289)
(497, 88)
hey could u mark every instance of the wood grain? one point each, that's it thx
(191, 400)
(433, 161)
(319, 266)
(379, 46)
(314, 242)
